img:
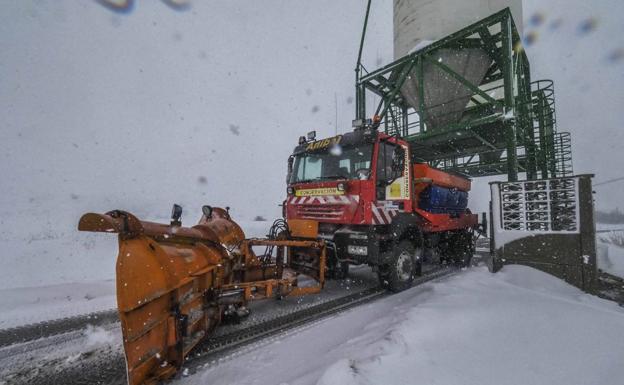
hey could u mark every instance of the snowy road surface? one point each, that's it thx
(519, 326)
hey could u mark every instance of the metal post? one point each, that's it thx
(508, 78)
(404, 121)
(541, 124)
(421, 93)
(550, 129)
(360, 93)
(524, 83)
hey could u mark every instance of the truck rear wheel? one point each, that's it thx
(462, 249)
(398, 273)
(463, 258)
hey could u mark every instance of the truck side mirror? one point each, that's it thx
(398, 159)
(291, 160)
(207, 211)
(398, 162)
(176, 215)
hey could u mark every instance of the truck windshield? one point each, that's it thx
(352, 162)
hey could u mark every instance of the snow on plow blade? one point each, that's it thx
(175, 284)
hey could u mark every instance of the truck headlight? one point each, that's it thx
(290, 191)
(341, 187)
(357, 250)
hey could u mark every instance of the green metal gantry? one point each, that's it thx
(501, 124)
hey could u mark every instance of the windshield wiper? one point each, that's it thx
(324, 177)
(307, 180)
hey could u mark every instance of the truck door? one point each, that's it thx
(392, 184)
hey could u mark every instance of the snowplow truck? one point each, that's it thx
(365, 194)
(357, 198)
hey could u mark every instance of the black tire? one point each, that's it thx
(343, 270)
(381, 277)
(463, 258)
(339, 270)
(462, 249)
(402, 265)
(332, 266)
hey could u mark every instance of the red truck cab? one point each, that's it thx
(368, 196)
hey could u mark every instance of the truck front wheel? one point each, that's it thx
(401, 266)
(342, 270)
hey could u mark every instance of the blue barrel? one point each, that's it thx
(441, 200)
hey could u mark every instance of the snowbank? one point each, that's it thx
(610, 248)
(519, 326)
(28, 305)
(611, 258)
(609, 226)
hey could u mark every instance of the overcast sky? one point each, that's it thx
(140, 109)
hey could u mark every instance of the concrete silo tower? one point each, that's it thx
(418, 21)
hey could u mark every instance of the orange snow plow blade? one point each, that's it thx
(175, 284)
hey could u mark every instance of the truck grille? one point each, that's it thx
(320, 212)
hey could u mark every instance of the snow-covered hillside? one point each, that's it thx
(519, 326)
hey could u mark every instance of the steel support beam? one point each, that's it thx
(508, 116)
(510, 124)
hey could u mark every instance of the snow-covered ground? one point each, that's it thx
(519, 326)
